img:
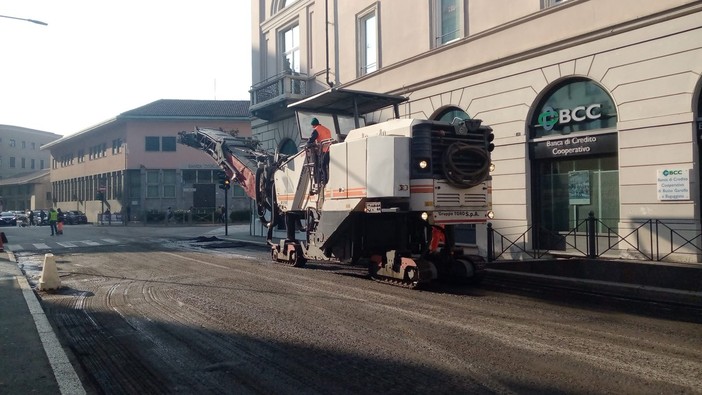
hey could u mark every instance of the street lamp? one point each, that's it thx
(24, 19)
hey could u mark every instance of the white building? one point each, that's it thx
(23, 167)
(595, 104)
(20, 152)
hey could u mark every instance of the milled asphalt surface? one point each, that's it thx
(33, 361)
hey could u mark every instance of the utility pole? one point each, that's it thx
(226, 212)
(225, 184)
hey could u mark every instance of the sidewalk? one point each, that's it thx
(644, 280)
(679, 284)
(241, 232)
(31, 358)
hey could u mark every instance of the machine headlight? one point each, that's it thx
(425, 216)
(423, 164)
(492, 167)
(490, 214)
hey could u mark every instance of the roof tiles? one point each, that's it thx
(191, 109)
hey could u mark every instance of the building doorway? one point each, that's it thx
(574, 161)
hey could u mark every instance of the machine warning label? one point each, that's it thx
(373, 207)
(456, 214)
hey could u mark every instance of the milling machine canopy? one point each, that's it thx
(342, 110)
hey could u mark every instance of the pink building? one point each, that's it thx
(133, 163)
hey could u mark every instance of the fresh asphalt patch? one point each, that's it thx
(205, 239)
(212, 242)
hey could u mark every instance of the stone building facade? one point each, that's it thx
(595, 104)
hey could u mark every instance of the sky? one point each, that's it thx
(97, 59)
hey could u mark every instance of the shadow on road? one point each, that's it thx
(134, 354)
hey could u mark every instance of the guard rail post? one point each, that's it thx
(591, 236)
(490, 243)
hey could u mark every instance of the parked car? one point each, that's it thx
(75, 217)
(8, 218)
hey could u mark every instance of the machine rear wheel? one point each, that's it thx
(296, 259)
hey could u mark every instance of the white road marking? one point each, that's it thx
(66, 244)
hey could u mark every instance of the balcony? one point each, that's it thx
(270, 98)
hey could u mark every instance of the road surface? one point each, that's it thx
(139, 317)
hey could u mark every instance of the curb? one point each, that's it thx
(630, 291)
(64, 373)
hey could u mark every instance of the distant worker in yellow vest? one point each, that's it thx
(322, 137)
(53, 219)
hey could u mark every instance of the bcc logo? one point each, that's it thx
(672, 172)
(551, 117)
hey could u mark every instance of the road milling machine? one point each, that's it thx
(391, 196)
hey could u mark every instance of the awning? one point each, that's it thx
(349, 102)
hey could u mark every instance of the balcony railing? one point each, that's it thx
(269, 98)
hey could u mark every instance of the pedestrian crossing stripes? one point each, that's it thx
(65, 244)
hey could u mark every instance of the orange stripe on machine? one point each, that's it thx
(350, 193)
(357, 192)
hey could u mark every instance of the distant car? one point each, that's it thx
(8, 218)
(75, 217)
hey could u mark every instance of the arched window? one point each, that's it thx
(281, 4)
(449, 113)
(576, 105)
(574, 160)
(287, 147)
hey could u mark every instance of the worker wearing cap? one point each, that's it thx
(321, 136)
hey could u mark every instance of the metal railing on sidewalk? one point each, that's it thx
(649, 239)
